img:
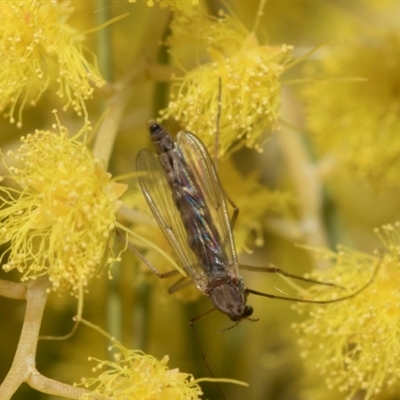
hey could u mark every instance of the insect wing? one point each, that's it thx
(158, 194)
(202, 167)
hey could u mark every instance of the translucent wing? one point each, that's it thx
(199, 161)
(158, 194)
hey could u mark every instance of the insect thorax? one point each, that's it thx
(228, 296)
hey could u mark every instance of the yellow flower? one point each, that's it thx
(38, 49)
(249, 74)
(135, 375)
(354, 344)
(59, 215)
(358, 119)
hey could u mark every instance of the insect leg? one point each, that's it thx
(203, 356)
(216, 144)
(272, 296)
(131, 247)
(230, 201)
(275, 270)
(235, 210)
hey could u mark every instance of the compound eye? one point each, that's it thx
(248, 310)
(154, 127)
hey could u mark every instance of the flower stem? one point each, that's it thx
(23, 368)
(305, 178)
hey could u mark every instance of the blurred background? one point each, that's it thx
(327, 174)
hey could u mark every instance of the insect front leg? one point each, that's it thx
(203, 355)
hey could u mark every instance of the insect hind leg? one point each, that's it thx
(349, 296)
(272, 269)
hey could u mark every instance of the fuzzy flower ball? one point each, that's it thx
(138, 376)
(57, 213)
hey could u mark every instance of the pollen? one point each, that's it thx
(353, 344)
(40, 51)
(58, 212)
(135, 375)
(238, 84)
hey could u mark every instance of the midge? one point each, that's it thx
(182, 188)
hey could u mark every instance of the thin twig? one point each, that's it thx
(23, 368)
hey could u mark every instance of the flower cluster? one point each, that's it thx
(58, 216)
(354, 113)
(38, 49)
(237, 77)
(353, 344)
(137, 376)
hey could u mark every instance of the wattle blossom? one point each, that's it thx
(40, 51)
(57, 213)
(138, 376)
(236, 72)
(353, 345)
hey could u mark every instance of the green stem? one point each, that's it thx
(160, 97)
(104, 40)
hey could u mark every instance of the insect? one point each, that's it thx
(183, 191)
(182, 188)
